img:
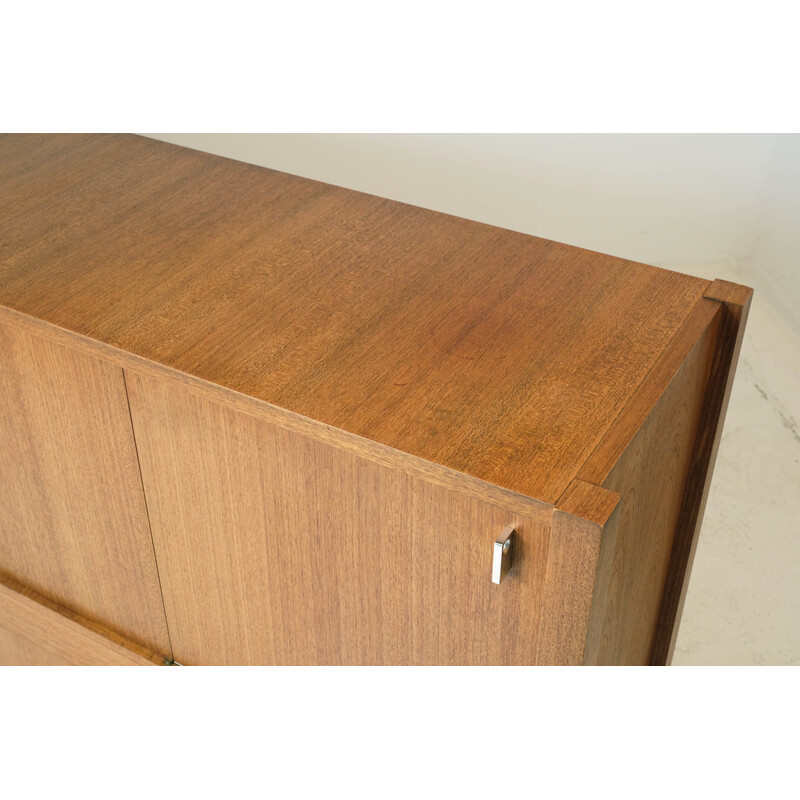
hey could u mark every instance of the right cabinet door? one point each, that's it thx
(276, 548)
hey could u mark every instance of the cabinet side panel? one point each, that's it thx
(650, 477)
(73, 522)
(734, 301)
(276, 548)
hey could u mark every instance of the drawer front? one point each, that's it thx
(73, 521)
(18, 651)
(276, 548)
(33, 632)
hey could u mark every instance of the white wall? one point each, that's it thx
(774, 262)
(659, 198)
(665, 199)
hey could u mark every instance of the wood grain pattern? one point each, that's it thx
(614, 444)
(35, 632)
(18, 651)
(73, 523)
(365, 448)
(734, 303)
(578, 564)
(275, 548)
(650, 477)
(492, 353)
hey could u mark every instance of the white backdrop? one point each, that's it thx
(665, 199)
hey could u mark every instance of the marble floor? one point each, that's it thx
(743, 601)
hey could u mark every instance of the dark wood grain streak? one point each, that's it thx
(735, 305)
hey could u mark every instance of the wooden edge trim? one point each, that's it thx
(733, 301)
(616, 440)
(63, 632)
(588, 501)
(365, 448)
(579, 559)
(731, 294)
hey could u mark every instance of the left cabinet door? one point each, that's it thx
(73, 519)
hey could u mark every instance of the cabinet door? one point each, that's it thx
(73, 522)
(276, 548)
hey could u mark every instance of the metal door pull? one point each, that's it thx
(503, 554)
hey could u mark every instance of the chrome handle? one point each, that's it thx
(502, 554)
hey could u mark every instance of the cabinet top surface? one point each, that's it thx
(494, 353)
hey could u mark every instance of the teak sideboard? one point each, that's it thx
(250, 418)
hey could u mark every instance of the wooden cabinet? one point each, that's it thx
(250, 418)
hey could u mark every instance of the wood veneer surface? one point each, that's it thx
(276, 548)
(19, 651)
(73, 521)
(34, 633)
(578, 567)
(735, 306)
(650, 478)
(492, 353)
